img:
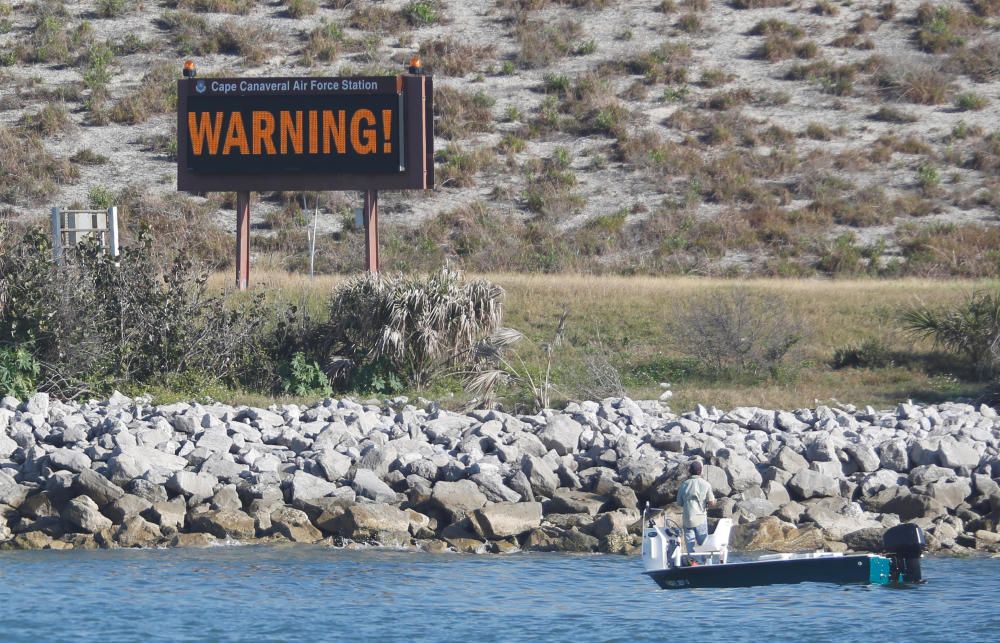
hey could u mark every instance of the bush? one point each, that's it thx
(303, 377)
(18, 372)
(419, 326)
(100, 322)
(871, 353)
(735, 333)
(971, 329)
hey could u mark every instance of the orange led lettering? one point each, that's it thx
(313, 131)
(204, 131)
(369, 134)
(387, 130)
(263, 132)
(333, 129)
(236, 135)
(291, 132)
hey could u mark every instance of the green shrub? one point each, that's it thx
(421, 326)
(971, 328)
(18, 372)
(870, 353)
(303, 377)
(112, 8)
(98, 322)
(301, 8)
(970, 101)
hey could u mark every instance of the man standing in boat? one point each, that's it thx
(695, 495)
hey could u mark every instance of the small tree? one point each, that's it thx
(418, 326)
(971, 329)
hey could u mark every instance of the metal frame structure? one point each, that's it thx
(63, 223)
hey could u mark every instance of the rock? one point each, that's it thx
(68, 460)
(571, 502)
(894, 456)
(120, 509)
(198, 487)
(960, 456)
(771, 534)
(865, 539)
(561, 433)
(224, 524)
(787, 459)
(92, 484)
(881, 479)
(226, 498)
(456, 499)
(136, 532)
(12, 494)
(613, 522)
(717, 477)
(494, 489)
(505, 519)
(123, 468)
(305, 486)
(556, 539)
(909, 506)
(196, 540)
(294, 525)
(811, 484)
(83, 514)
(367, 484)
(334, 465)
(541, 477)
(863, 456)
(380, 523)
(742, 473)
(950, 493)
(169, 515)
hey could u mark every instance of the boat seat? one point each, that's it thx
(717, 543)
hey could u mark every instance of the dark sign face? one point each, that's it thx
(294, 125)
(305, 133)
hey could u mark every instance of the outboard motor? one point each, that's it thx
(904, 545)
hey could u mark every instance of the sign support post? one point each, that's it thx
(371, 231)
(242, 240)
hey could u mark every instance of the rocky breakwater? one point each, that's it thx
(123, 473)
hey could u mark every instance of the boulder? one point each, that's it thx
(224, 524)
(195, 540)
(542, 479)
(561, 433)
(895, 456)
(568, 501)
(68, 460)
(456, 499)
(613, 522)
(771, 534)
(505, 519)
(375, 522)
(136, 532)
(168, 514)
(120, 509)
(367, 484)
(865, 539)
(92, 484)
(863, 456)
(333, 465)
(12, 494)
(909, 506)
(787, 459)
(741, 473)
(811, 484)
(294, 525)
(305, 486)
(83, 514)
(960, 456)
(123, 468)
(950, 493)
(196, 486)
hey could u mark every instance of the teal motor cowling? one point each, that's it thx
(904, 545)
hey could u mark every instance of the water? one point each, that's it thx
(313, 593)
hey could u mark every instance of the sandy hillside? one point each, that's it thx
(759, 132)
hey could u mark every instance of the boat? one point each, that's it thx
(708, 564)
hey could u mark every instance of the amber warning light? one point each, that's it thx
(190, 69)
(416, 65)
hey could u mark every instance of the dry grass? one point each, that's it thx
(631, 316)
(27, 170)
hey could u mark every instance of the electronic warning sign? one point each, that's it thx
(353, 133)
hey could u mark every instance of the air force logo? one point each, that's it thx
(200, 87)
